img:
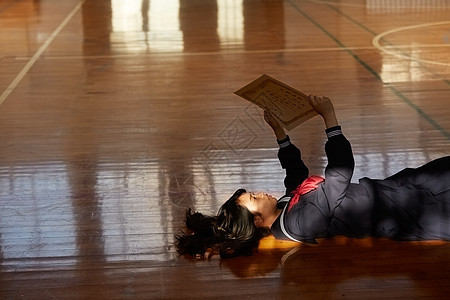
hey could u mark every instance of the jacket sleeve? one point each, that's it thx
(291, 160)
(339, 170)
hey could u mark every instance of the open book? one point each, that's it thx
(288, 105)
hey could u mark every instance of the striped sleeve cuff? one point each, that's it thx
(333, 131)
(284, 142)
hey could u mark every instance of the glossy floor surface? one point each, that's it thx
(117, 115)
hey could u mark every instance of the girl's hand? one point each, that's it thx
(271, 120)
(275, 125)
(324, 107)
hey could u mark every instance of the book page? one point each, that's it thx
(288, 105)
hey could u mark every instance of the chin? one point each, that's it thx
(272, 198)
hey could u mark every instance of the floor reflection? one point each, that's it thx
(195, 25)
(341, 265)
(201, 35)
(31, 227)
(144, 25)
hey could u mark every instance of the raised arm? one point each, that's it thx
(339, 170)
(289, 156)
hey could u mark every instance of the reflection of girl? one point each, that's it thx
(413, 204)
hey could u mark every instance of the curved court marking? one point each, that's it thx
(38, 54)
(376, 43)
(396, 91)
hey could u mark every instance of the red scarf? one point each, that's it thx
(311, 183)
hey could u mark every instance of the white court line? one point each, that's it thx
(417, 46)
(376, 43)
(338, 3)
(38, 53)
(365, 5)
(225, 52)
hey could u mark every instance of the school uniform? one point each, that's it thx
(413, 204)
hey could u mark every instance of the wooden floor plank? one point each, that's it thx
(112, 126)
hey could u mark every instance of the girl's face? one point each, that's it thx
(259, 203)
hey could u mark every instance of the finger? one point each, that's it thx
(311, 99)
(322, 99)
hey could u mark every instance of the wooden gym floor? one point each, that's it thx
(117, 115)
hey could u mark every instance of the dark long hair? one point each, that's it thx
(232, 232)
